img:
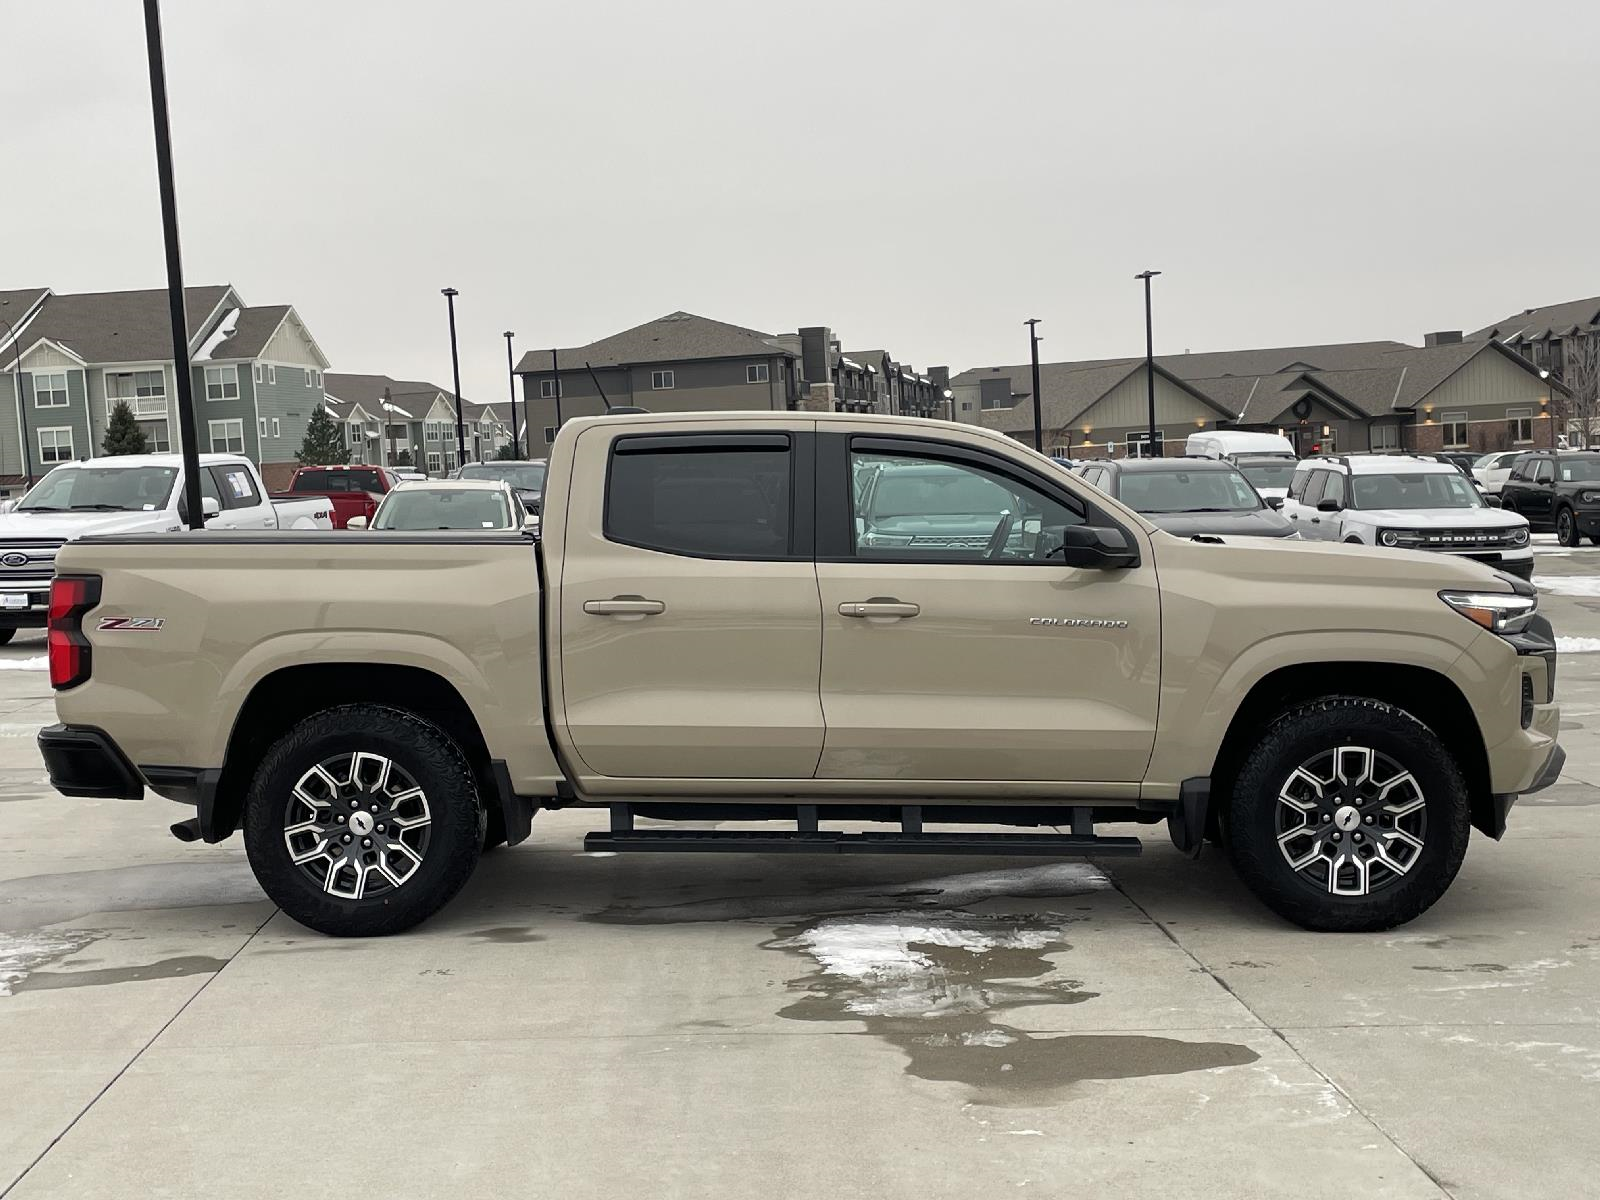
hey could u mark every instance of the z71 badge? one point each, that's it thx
(130, 624)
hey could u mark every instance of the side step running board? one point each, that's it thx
(1053, 845)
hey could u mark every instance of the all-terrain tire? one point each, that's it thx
(424, 752)
(1567, 528)
(1252, 814)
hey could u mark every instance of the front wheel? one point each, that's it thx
(1567, 528)
(1350, 815)
(6, 635)
(363, 820)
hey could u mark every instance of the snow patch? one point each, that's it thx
(41, 663)
(21, 953)
(1578, 645)
(220, 334)
(1570, 585)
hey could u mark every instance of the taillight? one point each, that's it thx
(70, 656)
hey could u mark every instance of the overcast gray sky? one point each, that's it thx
(919, 176)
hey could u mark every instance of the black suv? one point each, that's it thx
(1557, 489)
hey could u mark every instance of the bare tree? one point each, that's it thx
(1582, 378)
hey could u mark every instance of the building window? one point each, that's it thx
(156, 438)
(50, 389)
(277, 428)
(1455, 430)
(430, 431)
(1519, 425)
(1137, 443)
(313, 378)
(549, 434)
(1385, 437)
(145, 392)
(549, 389)
(55, 445)
(435, 462)
(272, 373)
(227, 437)
(661, 381)
(222, 383)
(261, 426)
(756, 373)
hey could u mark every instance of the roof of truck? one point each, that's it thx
(152, 460)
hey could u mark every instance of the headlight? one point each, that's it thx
(1498, 612)
(1519, 537)
(1590, 497)
(885, 539)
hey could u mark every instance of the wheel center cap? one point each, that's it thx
(1345, 817)
(361, 823)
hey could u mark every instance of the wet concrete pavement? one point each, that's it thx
(658, 1026)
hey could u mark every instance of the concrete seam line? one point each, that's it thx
(123, 1070)
(1277, 1033)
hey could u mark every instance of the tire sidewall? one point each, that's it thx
(1302, 735)
(424, 752)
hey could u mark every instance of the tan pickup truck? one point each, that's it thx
(713, 628)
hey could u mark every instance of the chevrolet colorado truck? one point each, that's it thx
(126, 493)
(709, 631)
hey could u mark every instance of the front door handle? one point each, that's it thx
(886, 606)
(624, 606)
(1316, 520)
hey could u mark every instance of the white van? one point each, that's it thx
(1267, 459)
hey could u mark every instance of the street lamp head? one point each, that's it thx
(448, 292)
(1147, 275)
(509, 335)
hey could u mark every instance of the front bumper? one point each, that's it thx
(34, 610)
(1588, 520)
(84, 761)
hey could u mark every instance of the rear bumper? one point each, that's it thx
(84, 761)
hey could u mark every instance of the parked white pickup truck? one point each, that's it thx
(134, 493)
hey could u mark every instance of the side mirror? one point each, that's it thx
(1274, 502)
(530, 520)
(356, 523)
(209, 507)
(1329, 504)
(1492, 501)
(1097, 548)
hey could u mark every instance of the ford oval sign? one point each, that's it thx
(14, 559)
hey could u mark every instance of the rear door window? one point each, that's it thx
(1315, 482)
(707, 496)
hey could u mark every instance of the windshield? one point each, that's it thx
(442, 508)
(1578, 470)
(1269, 475)
(1433, 490)
(101, 489)
(1187, 491)
(527, 477)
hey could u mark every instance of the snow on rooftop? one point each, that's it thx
(220, 334)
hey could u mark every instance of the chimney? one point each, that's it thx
(1445, 337)
(939, 377)
(814, 361)
(995, 393)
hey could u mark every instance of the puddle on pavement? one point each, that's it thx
(509, 936)
(1565, 793)
(22, 953)
(39, 900)
(167, 968)
(1054, 880)
(931, 983)
(1468, 969)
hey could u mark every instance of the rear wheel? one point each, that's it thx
(363, 820)
(1567, 528)
(1350, 815)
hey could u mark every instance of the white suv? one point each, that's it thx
(1406, 503)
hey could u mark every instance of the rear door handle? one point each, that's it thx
(624, 606)
(1316, 520)
(887, 607)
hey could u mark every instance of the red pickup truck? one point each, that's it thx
(353, 491)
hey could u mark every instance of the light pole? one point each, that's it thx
(450, 295)
(169, 229)
(16, 387)
(511, 379)
(1038, 410)
(1152, 447)
(555, 369)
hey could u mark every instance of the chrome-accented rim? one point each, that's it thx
(1351, 820)
(357, 825)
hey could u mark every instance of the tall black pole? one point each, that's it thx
(450, 295)
(189, 435)
(1038, 407)
(511, 378)
(555, 369)
(22, 409)
(1152, 447)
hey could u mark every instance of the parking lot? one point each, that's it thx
(727, 1026)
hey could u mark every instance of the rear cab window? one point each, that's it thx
(232, 486)
(703, 495)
